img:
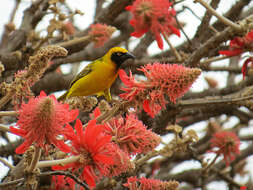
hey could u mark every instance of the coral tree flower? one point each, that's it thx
(227, 144)
(162, 79)
(94, 148)
(41, 120)
(239, 44)
(245, 66)
(100, 33)
(154, 15)
(133, 183)
(132, 136)
(61, 182)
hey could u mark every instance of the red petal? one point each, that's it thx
(106, 139)
(97, 112)
(128, 8)
(42, 94)
(91, 131)
(159, 40)
(79, 128)
(62, 146)
(88, 177)
(18, 131)
(69, 132)
(245, 66)
(104, 159)
(23, 147)
(175, 30)
(147, 109)
(231, 52)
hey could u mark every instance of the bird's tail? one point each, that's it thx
(63, 97)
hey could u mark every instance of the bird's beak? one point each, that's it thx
(128, 55)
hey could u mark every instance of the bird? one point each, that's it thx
(98, 76)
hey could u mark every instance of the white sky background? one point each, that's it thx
(88, 7)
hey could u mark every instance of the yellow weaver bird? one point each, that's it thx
(98, 76)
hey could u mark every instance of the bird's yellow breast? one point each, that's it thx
(100, 78)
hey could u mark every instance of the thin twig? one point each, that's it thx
(226, 178)
(212, 163)
(68, 174)
(178, 56)
(6, 163)
(4, 100)
(8, 113)
(74, 41)
(213, 59)
(35, 159)
(4, 128)
(14, 182)
(13, 14)
(220, 17)
(43, 164)
(145, 158)
(201, 101)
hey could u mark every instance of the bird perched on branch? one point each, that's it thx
(98, 76)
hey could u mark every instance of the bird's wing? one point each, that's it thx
(83, 73)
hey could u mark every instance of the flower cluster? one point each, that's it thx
(121, 162)
(93, 146)
(132, 136)
(133, 183)
(162, 79)
(226, 143)
(154, 15)
(98, 155)
(239, 44)
(40, 122)
(100, 33)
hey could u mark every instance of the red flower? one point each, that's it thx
(100, 33)
(132, 136)
(227, 143)
(61, 182)
(121, 162)
(41, 120)
(245, 66)
(239, 44)
(94, 148)
(154, 15)
(162, 79)
(133, 183)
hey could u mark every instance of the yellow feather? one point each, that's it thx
(96, 78)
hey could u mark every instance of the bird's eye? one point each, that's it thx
(118, 53)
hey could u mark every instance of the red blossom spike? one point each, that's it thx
(100, 33)
(227, 144)
(132, 136)
(41, 120)
(154, 15)
(133, 183)
(162, 80)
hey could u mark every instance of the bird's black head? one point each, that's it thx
(119, 57)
